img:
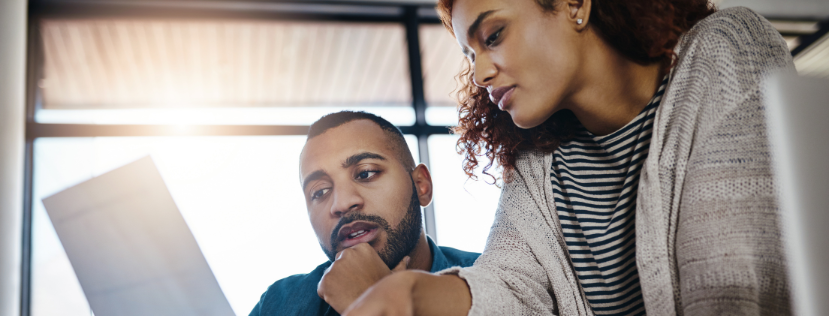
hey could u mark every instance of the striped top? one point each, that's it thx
(595, 179)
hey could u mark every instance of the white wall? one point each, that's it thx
(12, 142)
(782, 9)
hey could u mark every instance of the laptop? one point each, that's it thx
(131, 249)
(798, 121)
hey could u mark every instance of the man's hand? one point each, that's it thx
(353, 271)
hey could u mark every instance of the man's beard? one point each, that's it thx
(401, 241)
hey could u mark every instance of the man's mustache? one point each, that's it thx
(352, 217)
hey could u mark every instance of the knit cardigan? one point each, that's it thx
(708, 240)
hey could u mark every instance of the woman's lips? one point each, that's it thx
(501, 96)
(504, 101)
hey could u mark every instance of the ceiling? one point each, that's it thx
(814, 61)
(794, 9)
(96, 63)
(101, 63)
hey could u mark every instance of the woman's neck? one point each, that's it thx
(611, 90)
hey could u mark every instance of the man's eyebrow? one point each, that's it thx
(311, 177)
(350, 161)
(354, 159)
(475, 25)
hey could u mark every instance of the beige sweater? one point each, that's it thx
(707, 228)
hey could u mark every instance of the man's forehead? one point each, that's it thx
(331, 148)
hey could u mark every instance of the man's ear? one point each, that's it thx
(423, 183)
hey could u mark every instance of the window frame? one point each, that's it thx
(411, 15)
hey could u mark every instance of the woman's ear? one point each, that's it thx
(578, 12)
(423, 184)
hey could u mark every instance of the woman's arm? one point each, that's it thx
(518, 273)
(729, 255)
(414, 293)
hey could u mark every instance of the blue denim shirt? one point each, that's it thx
(297, 294)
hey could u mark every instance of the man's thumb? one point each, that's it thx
(402, 265)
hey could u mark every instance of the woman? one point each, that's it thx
(636, 165)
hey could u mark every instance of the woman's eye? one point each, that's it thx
(366, 174)
(492, 38)
(319, 193)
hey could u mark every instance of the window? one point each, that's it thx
(464, 209)
(105, 71)
(239, 195)
(221, 99)
(442, 61)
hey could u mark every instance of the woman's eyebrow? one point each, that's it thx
(475, 25)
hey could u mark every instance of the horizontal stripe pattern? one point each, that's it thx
(595, 179)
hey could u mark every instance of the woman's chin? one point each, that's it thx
(525, 122)
(530, 115)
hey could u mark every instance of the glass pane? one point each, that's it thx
(207, 64)
(464, 209)
(814, 62)
(442, 61)
(240, 196)
(401, 116)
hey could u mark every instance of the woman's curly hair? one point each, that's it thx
(644, 31)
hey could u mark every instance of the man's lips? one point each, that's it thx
(501, 96)
(356, 233)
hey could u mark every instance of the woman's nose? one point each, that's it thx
(485, 71)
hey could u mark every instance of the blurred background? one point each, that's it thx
(220, 94)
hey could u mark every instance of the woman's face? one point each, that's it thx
(526, 57)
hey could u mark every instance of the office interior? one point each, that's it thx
(221, 93)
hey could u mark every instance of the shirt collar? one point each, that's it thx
(439, 261)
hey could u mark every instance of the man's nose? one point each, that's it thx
(346, 199)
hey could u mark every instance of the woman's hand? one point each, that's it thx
(392, 296)
(410, 293)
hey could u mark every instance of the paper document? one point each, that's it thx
(131, 249)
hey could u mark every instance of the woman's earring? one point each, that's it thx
(579, 21)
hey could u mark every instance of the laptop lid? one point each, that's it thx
(130, 247)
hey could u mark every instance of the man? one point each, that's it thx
(363, 192)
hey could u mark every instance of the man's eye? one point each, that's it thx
(319, 193)
(366, 174)
(492, 38)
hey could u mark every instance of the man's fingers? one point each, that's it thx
(363, 247)
(320, 290)
(402, 265)
(339, 254)
(321, 285)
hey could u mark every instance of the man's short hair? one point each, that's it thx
(333, 120)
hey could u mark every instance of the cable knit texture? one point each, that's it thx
(707, 223)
